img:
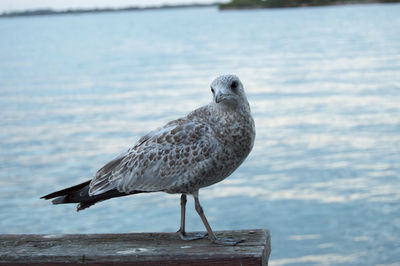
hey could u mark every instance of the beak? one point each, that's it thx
(218, 96)
(221, 96)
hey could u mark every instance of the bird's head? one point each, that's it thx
(227, 91)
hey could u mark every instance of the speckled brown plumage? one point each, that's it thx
(186, 154)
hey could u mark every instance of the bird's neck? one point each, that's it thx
(231, 108)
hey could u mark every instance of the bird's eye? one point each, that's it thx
(212, 90)
(234, 85)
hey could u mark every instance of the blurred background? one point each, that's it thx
(323, 84)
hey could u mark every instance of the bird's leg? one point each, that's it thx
(182, 233)
(211, 235)
(183, 213)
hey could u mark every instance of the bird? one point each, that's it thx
(187, 154)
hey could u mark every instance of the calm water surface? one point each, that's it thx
(324, 87)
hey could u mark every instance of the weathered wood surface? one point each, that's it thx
(134, 249)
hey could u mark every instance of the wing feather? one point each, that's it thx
(166, 159)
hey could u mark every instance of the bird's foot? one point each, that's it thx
(191, 236)
(227, 241)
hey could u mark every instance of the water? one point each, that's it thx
(324, 87)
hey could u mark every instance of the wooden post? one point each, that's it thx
(134, 249)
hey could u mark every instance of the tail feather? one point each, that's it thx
(66, 191)
(80, 194)
(82, 206)
(59, 200)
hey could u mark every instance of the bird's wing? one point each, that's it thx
(163, 159)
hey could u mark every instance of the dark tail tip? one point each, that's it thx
(46, 197)
(66, 191)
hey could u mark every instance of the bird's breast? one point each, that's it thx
(236, 134)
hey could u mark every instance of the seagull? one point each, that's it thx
(189, 153)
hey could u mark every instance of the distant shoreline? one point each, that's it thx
(259, 4)
(233, 5)
(51, 12)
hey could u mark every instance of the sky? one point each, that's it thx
(14, 5)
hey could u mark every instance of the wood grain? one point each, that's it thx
(134, 249)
